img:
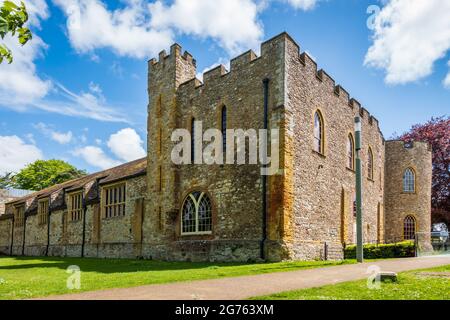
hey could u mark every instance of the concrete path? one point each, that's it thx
(250, 286)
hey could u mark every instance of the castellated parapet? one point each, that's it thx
(401, 156)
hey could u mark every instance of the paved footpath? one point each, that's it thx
(250, 286)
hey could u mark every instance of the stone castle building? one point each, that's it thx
(153, 208)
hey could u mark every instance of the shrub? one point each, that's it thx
(380, 251)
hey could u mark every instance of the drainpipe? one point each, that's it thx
(12, 237)
(48, 228)
(264, 177)
(84, 227)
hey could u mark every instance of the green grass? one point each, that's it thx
(411, 285)
(24, 277)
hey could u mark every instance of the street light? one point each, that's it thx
(359, 233)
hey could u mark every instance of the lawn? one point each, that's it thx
(24, 277)
(431, 284)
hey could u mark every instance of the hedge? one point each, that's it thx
(380, 251)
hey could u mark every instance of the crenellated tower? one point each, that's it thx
(408, 177)
(164, 77)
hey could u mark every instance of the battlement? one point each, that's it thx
(242, 60)
(243, 63)
(240, 63)
(400, 144)
(176, 51)
(326, 80)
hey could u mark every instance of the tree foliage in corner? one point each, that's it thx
(45, 173)
(6, 180)
(437, 133)
(12, 20)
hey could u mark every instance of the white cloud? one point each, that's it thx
(21, 87)
(19, 81)
(140, 28)
(233, 24)
(15, 154)
(303, 4)
(126, 31)
(60, 137)
(126, 145)
(95, 88)
(409, 37)
(447, 79)
(84, 105)
(96, 157)
(30, 138)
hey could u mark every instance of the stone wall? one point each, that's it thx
(117, 237)
(236, 191)
(309, 201)
(323, 186)
(5, 197)
(400, 156)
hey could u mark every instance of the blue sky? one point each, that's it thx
(78, 91)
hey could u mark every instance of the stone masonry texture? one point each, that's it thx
(310, 201)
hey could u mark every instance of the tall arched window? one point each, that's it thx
(224, 128)
(409, 184)
(196, 214)
(318, 132)
(192, 140)
(409, 228)
(350, 152)
(370, 164)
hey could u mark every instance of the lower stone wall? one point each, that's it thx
(207, 250)
(314, 250)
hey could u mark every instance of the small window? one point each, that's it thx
(409, 184)
(370, 164)
(196, 214)
(114, 198)
(19, 216)
(350, 152)
(75, 206)
(409, 227)
(224, 128)
(43, 211)
(318, 133)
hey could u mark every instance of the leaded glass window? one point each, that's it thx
(408, 180)
(196, 214)
(409, 227)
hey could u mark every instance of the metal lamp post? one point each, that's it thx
(359, 231)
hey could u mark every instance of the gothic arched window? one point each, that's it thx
(409, 184)
(409, 228)
(370, 164)
(318, 132)
(196, 214)
(350, 152)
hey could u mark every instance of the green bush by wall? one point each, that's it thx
(391, 250)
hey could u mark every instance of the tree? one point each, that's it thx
(45, 173)
(6, 180)
(437, 133)
(12, 21)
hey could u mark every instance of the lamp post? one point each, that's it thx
(359, 233)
